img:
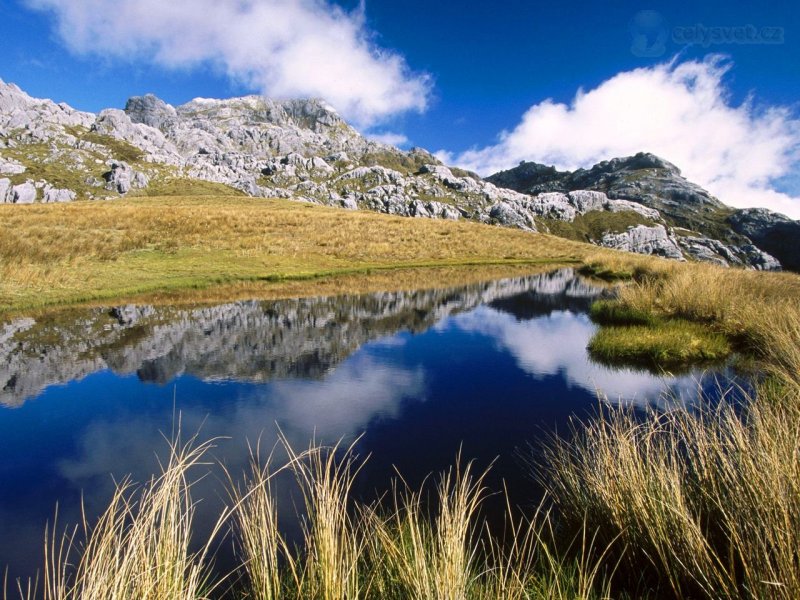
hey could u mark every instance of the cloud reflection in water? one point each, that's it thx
(555, 344)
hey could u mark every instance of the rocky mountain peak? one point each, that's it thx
(763, 216)
(150, 110)
(303, 150)
(642, 160)
(774, 232)
(644, 178)
(528, 175)
(24, 118)
(312, 114)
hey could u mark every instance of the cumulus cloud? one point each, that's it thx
(283, 48)
(681, 111)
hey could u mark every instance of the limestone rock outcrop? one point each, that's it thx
(655, 240)
(655, 189)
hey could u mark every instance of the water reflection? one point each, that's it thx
(243, 341)
(485, 367)
(555, 344)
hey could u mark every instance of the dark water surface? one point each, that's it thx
(486, 368)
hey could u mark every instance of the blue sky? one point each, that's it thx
(452, 76)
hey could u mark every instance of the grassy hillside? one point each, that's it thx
(593, 225)
(195, 247)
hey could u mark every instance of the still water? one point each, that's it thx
(487, 369)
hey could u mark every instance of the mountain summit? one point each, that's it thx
(303, 150)
(704, 227)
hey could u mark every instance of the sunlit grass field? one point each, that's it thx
(175, 246)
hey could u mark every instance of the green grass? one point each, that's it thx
(631, 335)
(458, 172)
(168, 185)
(599, 270)
(611, 312)
(757, 313)
(404, 163)
(668, 344)
(592, 225)
(711, 222)
(62, 171)
(55, 170)
(119, 149)
(60, 168)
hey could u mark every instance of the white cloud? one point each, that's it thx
(341, 405)
(390, 138)
(556, 344)
(679, 111)
(284, 48)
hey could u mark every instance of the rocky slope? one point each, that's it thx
(698, 224)
(773, 232)
(303, 150)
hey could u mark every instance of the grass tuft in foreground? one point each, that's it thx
(701, 504)
(706, 505)
(397, 550)
(140, 545)
(432, 559)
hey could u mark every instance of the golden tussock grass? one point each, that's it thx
(436, 558)
(758, 312)
(84, 251)
(139, 547)
(706, 505)
(706, 501)
(683, 504)
(391, 550)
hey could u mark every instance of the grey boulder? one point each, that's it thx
(5, 188)
(510, 216)
(52, 194)
(122, 178)
(24, 193)
(10, 167)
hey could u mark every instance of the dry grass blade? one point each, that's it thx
(139, 548)
(433, 559)
(707, 504)
(266, 558)
(333, 544)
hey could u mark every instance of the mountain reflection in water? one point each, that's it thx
(485, 368)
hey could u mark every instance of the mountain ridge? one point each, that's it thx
(697, 217)
(303, 150)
